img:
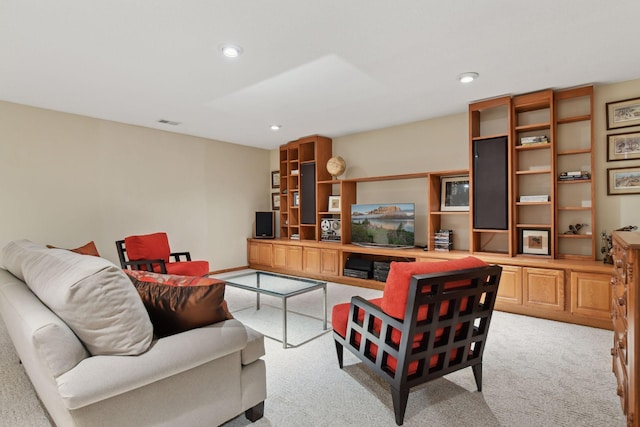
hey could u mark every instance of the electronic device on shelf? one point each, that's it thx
(330, 230)
(389, 225)
(358, 267)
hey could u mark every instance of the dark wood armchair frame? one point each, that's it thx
(147, 263)
(426, 289)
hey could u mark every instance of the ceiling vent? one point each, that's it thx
(168, 122)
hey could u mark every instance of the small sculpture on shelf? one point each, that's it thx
(574, 229)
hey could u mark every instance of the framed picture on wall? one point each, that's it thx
(275, 201)
(454, 194)
(275, 179)
(535, 242)
(623, 146)
(622, 114)
(623, 180)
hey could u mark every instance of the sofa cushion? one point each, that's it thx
(88, 249)
(93, 297)
(15, 252)
(396, 290)
(179, 303)
(148, 246)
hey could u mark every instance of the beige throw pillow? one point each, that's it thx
(93, 297)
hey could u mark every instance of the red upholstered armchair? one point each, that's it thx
(432, 319)
(151, 252)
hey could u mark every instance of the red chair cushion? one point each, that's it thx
(148, 246)
(396, 290)
(186, 268)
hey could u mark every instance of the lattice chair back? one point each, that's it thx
(445, 327)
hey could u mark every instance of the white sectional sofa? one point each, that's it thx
(86, 343)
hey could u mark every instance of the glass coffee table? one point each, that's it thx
(280, 286)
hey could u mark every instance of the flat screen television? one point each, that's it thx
(383, 225)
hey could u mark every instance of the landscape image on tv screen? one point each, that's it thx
(384, 224)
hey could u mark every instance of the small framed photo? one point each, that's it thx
(623, 146)
(623, 181)
(622, 114)
(275, 201)
(275, 179)
(334, 203)
(454, 194)
(535, 241)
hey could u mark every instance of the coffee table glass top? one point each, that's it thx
(274, 284)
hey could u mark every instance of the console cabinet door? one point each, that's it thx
(510, 288)
(543, 288)
(260, 254)
(311, 260)
(294, 258)
(591, 294)
(280, 256)
(329, 262)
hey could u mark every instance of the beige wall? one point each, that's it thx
(67, 179)
(442, 144)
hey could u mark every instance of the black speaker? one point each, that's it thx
(265, 225)
(308, 193)
(491, 183)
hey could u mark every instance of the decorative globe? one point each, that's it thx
(336, 166)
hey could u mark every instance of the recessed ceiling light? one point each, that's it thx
(276, 127)
(231, 50)
(467, 77)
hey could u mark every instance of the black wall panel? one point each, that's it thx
(308, 193)
(490, 183)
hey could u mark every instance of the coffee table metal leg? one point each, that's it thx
(324, 291)
(284, 323)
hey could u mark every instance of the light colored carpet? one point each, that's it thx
(536, 373)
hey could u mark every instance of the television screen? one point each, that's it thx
(383, 224)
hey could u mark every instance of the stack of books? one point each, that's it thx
(574, 176)
(443, 240)
(295, 236)
(529, 140)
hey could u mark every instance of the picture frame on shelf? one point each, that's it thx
(535, 241)
(275, 179)
(623, 181)
(622, 114)
(275, 201)
(334, 204)
(623, 146)
(454, 193)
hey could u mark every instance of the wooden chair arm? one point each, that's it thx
(147, 263)
(177, 255)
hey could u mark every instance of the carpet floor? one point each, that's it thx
(535, 373)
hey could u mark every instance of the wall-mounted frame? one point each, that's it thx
(454, 193)
(275, 201)
(623, 180)
(535, 241)
(622, 114)
(623, 146)
(275, 179)
(334, 203)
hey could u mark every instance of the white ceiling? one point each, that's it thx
(331, 67)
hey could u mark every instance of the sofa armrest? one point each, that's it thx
(100, 377)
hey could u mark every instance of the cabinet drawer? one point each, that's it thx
(620, 371)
